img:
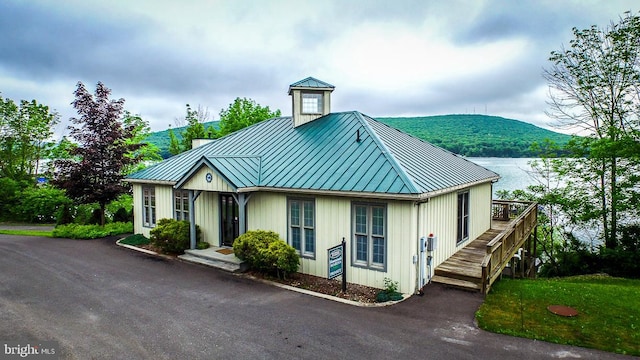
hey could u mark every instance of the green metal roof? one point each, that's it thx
(311, 82)
(345, 151)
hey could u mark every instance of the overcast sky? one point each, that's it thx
(386, 58)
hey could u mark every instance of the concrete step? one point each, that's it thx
(457, 283)
(211, 257)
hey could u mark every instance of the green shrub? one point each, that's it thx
(201, 245)
(265, 251)
(77, 231)
(40, 204)
(121, 215)
(9, 190)
(96, 217)
(83, 213)
(64, 215)
(135, 240)
(390, 291)
(172, 236)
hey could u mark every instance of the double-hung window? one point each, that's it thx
(302, 230)
(369, 246)
(312, 103)
(181, 204)
(149, 206)
(463, 217)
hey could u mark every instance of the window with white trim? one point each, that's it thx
(302, 231)
(463, 217)
(311, 103)
(181, 204)
(369, 242)
(149, 206)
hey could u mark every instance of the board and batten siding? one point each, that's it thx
(207, 213)
(333, 221)
(164, 205)
(439, 217)
(198, 181)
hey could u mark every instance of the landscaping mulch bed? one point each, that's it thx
(359, 293)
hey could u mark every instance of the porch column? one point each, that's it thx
(192, 220)
(242, 213)
(242, 199)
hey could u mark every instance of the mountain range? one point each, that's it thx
(468, 134)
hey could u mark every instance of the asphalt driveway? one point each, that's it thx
(101, 301)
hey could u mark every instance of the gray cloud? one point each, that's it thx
(158, 64)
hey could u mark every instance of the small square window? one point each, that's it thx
(311, 103)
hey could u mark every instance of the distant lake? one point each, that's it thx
(513, 172)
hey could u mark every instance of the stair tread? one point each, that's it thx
(223, 265)
(456, 282)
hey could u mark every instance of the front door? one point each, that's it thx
(230, 228)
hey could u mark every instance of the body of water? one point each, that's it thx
(514, 172)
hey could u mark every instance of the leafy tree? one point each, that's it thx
(594, 87)
(140, 132)
(195, 130)
(241, 113)
(24, 131)
(94, 173)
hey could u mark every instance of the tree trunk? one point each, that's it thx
(612, 241)
(102, 209)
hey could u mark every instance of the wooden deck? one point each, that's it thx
(476, 266)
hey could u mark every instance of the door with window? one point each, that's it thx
(229, 223)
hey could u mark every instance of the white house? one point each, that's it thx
(318, 177)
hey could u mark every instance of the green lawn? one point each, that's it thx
(27, 232)
(608, 319)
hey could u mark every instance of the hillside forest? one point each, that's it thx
(468, 135)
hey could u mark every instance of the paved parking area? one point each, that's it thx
(102, 301)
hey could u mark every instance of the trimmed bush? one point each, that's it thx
(172, 236)
(264, 251)
(201, 245)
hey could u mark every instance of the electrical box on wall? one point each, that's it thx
(432, 242)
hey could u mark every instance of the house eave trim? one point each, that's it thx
(150, 181)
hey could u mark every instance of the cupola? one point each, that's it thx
(311, 99)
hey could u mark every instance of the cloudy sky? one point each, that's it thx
(386, 58)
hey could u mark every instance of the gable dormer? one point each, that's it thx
(311, 99)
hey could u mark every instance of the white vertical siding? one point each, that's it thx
(137, 210)
(207, 213)
(268, 211)
(439, 217)
(164, 205)
(479, 210)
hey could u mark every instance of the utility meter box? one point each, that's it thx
(432, 243)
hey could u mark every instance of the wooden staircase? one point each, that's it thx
(463, 270)
(481, 262)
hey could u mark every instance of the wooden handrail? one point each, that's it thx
(503, 246)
